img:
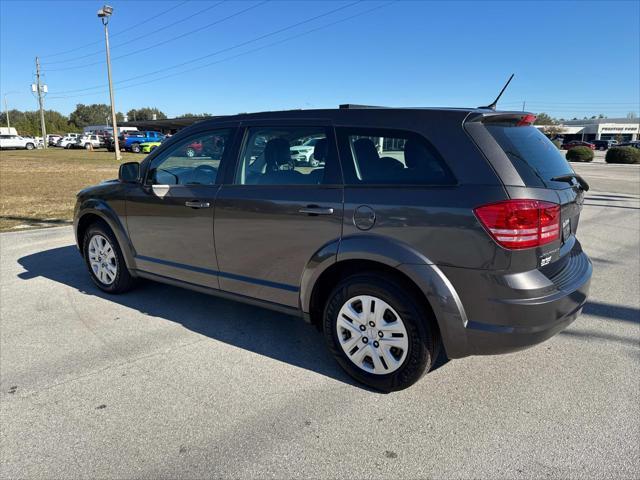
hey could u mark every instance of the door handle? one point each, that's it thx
(197, 204)
(316, 210)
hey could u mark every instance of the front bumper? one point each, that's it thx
(506, 313)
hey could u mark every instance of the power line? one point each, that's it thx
(140, 37)
(115, 34)
(261, 37)
(136, 52)
(292, 37)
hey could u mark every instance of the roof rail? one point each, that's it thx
(352, 106)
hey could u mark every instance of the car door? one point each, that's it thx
(170, 214)
(272, 216)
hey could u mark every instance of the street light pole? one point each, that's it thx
(105, 14)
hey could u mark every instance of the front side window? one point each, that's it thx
(283, 156)
(372, 156)
(192, 161)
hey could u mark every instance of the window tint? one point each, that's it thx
(391, 158)
(533, 155)
(192, 161)
(283, 156)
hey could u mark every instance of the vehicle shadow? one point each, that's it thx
(282, 337)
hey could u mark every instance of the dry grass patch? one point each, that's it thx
(38, 187)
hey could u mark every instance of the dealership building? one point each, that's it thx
(621, 129)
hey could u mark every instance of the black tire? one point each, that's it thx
(423, 337)
(190, 152)
(87, 146)
(123, 281)
(68, 146)
(135, 148)
(29, 146)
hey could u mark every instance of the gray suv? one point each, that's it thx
(417, 229)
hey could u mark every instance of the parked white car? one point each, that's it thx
(66, 142)
(89, 141)
(16, 141)
(303, 154)
(52, 139)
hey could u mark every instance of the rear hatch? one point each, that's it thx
(533, 168)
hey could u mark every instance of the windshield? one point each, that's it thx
(533, 155)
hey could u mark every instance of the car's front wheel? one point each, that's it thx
(104, 259)
(135, 148)
(29, 146)
(379, 333)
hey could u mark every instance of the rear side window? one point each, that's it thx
(383, 157)
(532, 154)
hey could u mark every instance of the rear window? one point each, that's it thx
(533, 155)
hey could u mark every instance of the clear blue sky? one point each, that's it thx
(570, 58)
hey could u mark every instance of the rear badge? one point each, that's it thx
(545, 261)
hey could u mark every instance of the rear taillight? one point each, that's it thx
(516, 224)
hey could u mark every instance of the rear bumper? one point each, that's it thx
(505, 313)
(551, 315)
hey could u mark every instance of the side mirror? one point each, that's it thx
(129, 172)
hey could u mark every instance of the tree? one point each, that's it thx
(194, 115)
(549, 125)
(28, 123)
(95, 114)
(145, 113)
(544, 119)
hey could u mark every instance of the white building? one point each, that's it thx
(621, 129)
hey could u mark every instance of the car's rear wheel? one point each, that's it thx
(135, 148)
(104, 259)
(379, 333)
(191, 152)
(68, 146)
(30, 146)
(87, 146)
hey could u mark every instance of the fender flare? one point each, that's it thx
(440, 293)
(101, 209)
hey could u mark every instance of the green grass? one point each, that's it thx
(38, 187)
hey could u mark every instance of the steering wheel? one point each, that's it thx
(204, 174)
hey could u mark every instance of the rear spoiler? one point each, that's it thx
(518, 119)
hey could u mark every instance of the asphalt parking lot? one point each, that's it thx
(167, 383)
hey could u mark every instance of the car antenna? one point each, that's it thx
(493, 105)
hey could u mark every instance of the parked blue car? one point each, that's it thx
(131, 141)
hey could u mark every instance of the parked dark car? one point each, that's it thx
(604, 144)
(424, 228)
(577, 143)
(635, 144)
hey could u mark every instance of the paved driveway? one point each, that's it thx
(164, 382)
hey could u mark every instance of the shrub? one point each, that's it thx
(557, 143)
(580, 154)
(623, 155)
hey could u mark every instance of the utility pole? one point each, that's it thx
(105, 14)
(523, 104)
(40, 89)
(6, 111)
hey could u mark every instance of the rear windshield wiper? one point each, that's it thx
(569, 177)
